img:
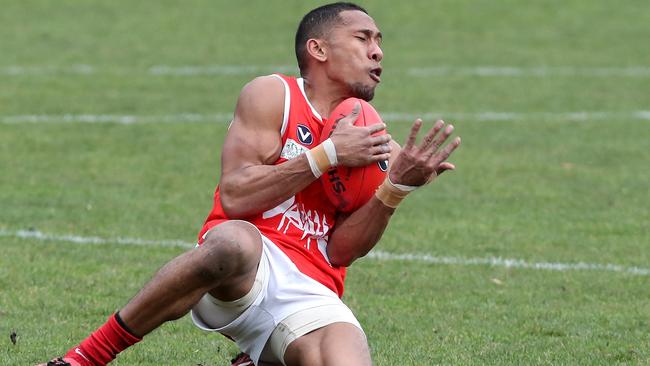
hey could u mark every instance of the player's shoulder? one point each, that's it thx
(261, 100)
(264, 86)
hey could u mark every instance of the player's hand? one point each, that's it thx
(417, 165)
(356, 145)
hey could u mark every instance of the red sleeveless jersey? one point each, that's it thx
(301, 225)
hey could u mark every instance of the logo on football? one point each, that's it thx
(337, 184)
(383, 165)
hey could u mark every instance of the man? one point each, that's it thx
(270, 267)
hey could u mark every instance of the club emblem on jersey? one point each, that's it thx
(383, 165)
(304, 135)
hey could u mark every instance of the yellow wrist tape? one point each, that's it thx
(322, 157)
(390, 195)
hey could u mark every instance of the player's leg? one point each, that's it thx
(225, 265)
(337, 344)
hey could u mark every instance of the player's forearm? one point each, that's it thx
(254, 189)
(359, 233)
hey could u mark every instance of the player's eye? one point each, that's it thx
(361, 38)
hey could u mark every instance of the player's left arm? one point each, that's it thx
(413, 165)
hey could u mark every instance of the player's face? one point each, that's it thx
(355, 54)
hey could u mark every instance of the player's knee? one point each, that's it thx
(230, 249)
(335, 344)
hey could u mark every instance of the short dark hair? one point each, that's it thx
(316, 23)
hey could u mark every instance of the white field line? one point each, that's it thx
(507, 71)
(33, 234)
(427, 71)
(517, 116)
(116, 118)
(225, 117)
(375, 254)
(76, 69)
(195, 70)
(158, 70)
(508, 263)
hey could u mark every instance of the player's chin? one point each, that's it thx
(363, 91)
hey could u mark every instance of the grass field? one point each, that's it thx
(112, 116)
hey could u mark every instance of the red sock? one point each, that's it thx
(104, 344)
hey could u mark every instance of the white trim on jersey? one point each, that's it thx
(287, 104)
(301, 85)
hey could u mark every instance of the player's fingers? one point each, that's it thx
(376, 128)
(442, 155)
(410, 140)
(439, 140)
(380, 157)
(380, 140)
(428, 139)
(444, 166)
(381, 149)
(352, 117)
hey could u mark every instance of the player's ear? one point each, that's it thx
(316, 48)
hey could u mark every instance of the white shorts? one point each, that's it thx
(289, 305)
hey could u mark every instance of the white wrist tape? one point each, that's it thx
(330, 150)
(402, 187)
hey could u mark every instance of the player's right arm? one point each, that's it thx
(250, 183)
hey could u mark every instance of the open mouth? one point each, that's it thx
(375, 74)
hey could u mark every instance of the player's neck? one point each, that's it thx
(323, 94)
